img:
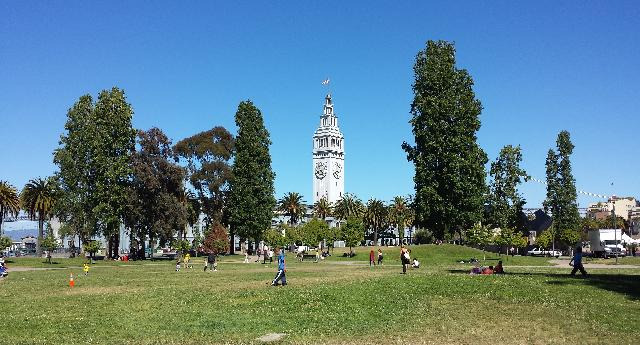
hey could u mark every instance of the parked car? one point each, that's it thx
(542, 252)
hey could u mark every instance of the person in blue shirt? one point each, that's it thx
(280, 276)
(576, 261)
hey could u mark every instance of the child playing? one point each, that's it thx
(85, 268)
(187, 258)
(178, 266)
(280, 275)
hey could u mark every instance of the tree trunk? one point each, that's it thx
(1, 219)
(232, 244)
(39, 242)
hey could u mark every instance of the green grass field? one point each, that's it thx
(337, 301)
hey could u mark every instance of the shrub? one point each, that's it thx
(423, 236)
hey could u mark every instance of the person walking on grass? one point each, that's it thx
(404, 258)
(379, 257)
(372, 258)
(282, 270)
(576, 262)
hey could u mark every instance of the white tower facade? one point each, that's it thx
(328, 156)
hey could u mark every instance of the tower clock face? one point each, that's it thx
(321, 170)
(337, 169)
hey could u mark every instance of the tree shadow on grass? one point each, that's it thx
(625, 284)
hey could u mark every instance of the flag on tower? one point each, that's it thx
(325, 82)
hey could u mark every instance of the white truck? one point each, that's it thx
(606, 243)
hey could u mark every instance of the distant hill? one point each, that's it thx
(21, 228)
(17, 235)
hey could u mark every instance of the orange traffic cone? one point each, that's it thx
(71, 282)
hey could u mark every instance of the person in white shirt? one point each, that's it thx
(416, 263)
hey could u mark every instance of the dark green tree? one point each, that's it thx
(75, 160)
(505, 202)
(251, 199)
(207, 156)
(449, 165)
(154, 208)
(113, 142)
(561, 199)
(314, 232)
(353, 233)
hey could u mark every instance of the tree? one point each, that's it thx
(348, 206)
(5, 242)
(561, 198)
(157, 204)
(9, 202)
(376, 218)
(38, 198)
(353, 233)
(322, 208)
(314, 231)
(216, 240)
(449, 164)
(480, 235)
(207, 156)
(50, 244)
(251, 199)
(293, 234)
(92, 247)
(275, 237)
(291, 205)
(423, 236)
(400, 215)
(75, 160)
(112, 141)
(505, 202)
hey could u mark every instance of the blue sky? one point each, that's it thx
(539, 67)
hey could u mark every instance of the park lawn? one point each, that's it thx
(64, 262)
(327, 302)
(627, 260)
(440, 255)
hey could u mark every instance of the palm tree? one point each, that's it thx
(322, 208)
(38, 197)
(291, 205)
(376, 217)
(348, 206)
(400, 214)
(9, 201)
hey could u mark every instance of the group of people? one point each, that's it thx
(210, 263)
(477, 269)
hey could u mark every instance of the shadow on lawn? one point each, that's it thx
(625, 284)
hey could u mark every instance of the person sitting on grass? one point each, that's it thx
(476, 269)
(576, 262)
(416, 263)
(498, 269)
(487, 270)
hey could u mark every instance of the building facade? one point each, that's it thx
(328, 156)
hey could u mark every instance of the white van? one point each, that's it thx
(606, 243)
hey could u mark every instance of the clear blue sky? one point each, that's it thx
(539, 67)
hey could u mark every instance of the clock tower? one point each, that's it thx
(328, 156)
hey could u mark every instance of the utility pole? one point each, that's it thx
(615, 231)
